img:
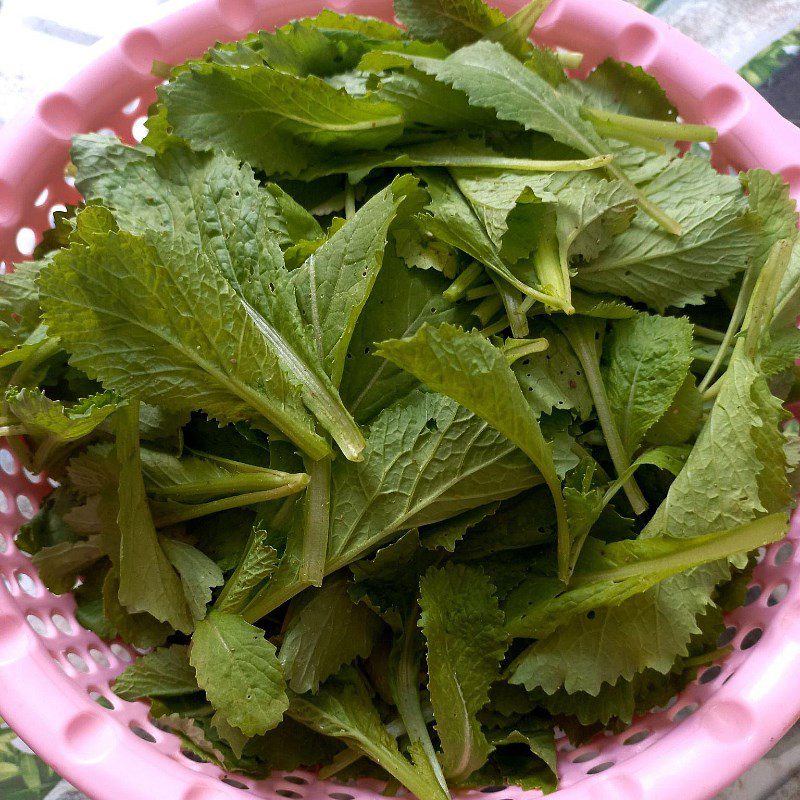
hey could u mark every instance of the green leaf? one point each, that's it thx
(199, 574)
(147, 581)
(389, 582)
(325, 45)
(647, 361)
(61, 564)
(19, 303)
(343, 708)
(55, 428)
(495, 79)
(524, 756)
(782, 351)
(138, 629)
(785, 312)
(738, 460)
(401, 301)
(681, 420)
(198, 477)
(463, 628)
(423, 435)
(468, 368)
(239, 672)
(245, 111)
(175, 316)
(514, 32)
(455, 222)
(554, 378)
(165, 672)
(454, 23)
(172, 191)
(326, 630)
(608, 574)
(650, 266)
(768, 197)
(426, 102)
(447, 533)
(256, 564)
(521, 522)
(628, 89)
(213, 204)
(334, 284)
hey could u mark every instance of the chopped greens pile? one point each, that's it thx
(406, 397)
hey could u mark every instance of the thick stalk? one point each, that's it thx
(404, 683)
(463, 281)
(495, 327)
(234, 484)
(515, 349)
(316, 526)
(552, 271)
(512, 302)
(479, 292)
(165, 517)
(631, 137)
(581, 335)
(487, 309)
(49, 347)
(653, 128)
(511, 164)
(743, 298)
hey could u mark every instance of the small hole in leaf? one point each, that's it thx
(432, 425)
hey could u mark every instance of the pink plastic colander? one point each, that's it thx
(54, 676)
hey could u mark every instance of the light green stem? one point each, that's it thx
(172, 516)
(481, 291)
(404, 683)
(487, 309)
(316, 510)
(653, 128)
(512, 300)
(581, 337)
(463, 281)
(631, 137)
(743, 298)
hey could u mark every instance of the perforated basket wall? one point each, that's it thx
(54, 676)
